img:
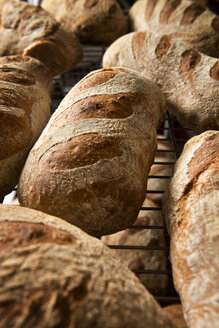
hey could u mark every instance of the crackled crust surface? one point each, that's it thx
(31, 31)
(25, 85)
(91, 163)
(191, 212)
(182, 19)
(95, 21)
(188, 78)
(54, 275)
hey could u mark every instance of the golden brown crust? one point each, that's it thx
(79, 166)
(93, 80)
(138, 41)
(188, 78)
(149, 9)
(214, 71)
(189, 62)
(31, 31)
(191, 213)
(191, 13)
(169, 7)
(25, 84)
(95, 21)
(81, 151)
(105, 106)
(22, 234)
(163, 47)
(190, 22)
(71, 281)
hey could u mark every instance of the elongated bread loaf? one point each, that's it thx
(52, 274)
(31, 31)
(144, 259)
(25, 85)
(190, 22)
(189, 79)
(191, 208)
(93, 21)
(90, 164)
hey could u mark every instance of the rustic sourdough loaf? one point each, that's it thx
(31, 31)
(144, 259)
(90, 164)
(52, 275)
(93, 21)
(190, 22)
(191, 208)
(25, 85)
(189, 79)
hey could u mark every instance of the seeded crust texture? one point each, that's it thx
(25, 85)
(91, 163)
(52, 274)
(93, 21)
(31, 31)
(191, 209)
(188, 21)
(188, 78)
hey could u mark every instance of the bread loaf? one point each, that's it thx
(93, 21)
(52, 274)
(190, 22)
(164, 156)
(144, 259)
(90, 164)
(191, 208)
(174, 312)
(25, 85)
(31, 31)
(189, 79)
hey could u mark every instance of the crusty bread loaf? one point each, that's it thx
(93, 21)
(25, 85)
(174, 312)
(31, 31)
(144, 259)
(90, 164)
(52, 274)
(189, 79)
(163, 155)
(191, 208)
(190, 22)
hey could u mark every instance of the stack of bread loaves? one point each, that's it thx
(31, 31)
(93, 21)
(188, 78)
(90, 166)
